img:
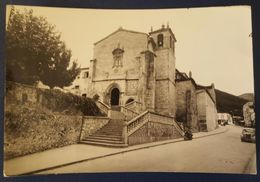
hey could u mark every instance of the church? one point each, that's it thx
(135, 67)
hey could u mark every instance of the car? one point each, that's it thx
(248, 135)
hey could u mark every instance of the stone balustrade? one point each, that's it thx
(103, 107)
(134, 105)
(149, 127)
(129, 113)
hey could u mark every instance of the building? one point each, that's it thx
(249, 114)
(132, 66)
(81, 83)
(225, 118)
(207, 112)
(196, 104)
(186, 100)
(127, 66)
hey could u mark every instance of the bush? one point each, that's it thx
(59, 101)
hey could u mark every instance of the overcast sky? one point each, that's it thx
(213, 43)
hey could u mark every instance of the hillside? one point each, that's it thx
(229, 103)
(247, 96)
(40, 119)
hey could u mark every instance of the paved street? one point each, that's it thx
(221, 153)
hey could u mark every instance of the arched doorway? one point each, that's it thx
(115, 93)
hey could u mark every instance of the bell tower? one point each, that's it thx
(165, 70)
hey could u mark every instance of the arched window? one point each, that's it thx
(160, 40)
(118, 57)
(129, 100)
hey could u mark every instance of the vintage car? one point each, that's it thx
(248, 135)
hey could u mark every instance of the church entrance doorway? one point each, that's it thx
(115, 93)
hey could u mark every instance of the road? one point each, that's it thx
(221, 153)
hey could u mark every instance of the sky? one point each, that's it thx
(213, 43)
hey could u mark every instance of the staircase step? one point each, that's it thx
(110, 135)
(103, 141)
(106, 137)
(111, 129)
(104, 144)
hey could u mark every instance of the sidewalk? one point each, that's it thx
(72, 154)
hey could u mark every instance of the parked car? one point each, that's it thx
(248, 135)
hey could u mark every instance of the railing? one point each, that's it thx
(148, 116)
(134, 105)
(155, 117)
(136, 123)
(103, 107)
(129, 113)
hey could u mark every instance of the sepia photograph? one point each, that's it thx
(133, 90)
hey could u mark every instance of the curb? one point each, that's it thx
(115, 153)
(211, 134)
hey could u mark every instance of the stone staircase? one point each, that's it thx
(111, 134)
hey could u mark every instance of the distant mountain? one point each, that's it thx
(229, 103)
(247, 96)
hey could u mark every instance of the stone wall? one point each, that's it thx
(153, 131)
(131, 86)
(207, 113)
(140, 136)
(211, 114)
(162, 97)
(182, 106)
(39, 119)
(133, 43)
(28, 130)
(92, 124)
(54, 100)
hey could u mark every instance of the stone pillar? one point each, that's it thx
(125, 137)
(146, 87)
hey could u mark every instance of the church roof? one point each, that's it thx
(184, 77)
(118, 30)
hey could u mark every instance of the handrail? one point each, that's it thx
(108, 107)
(129, 113)
(132, 102)
(138, 121)
(131, 110)
(137, 117)
(154, 117)
(102, 106)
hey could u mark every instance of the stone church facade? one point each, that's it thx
(129, 65)
(134, 66)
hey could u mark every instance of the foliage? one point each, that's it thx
(69, 103)
(229, 103)
(34, 51)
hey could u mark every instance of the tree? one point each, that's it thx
(35, 52)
